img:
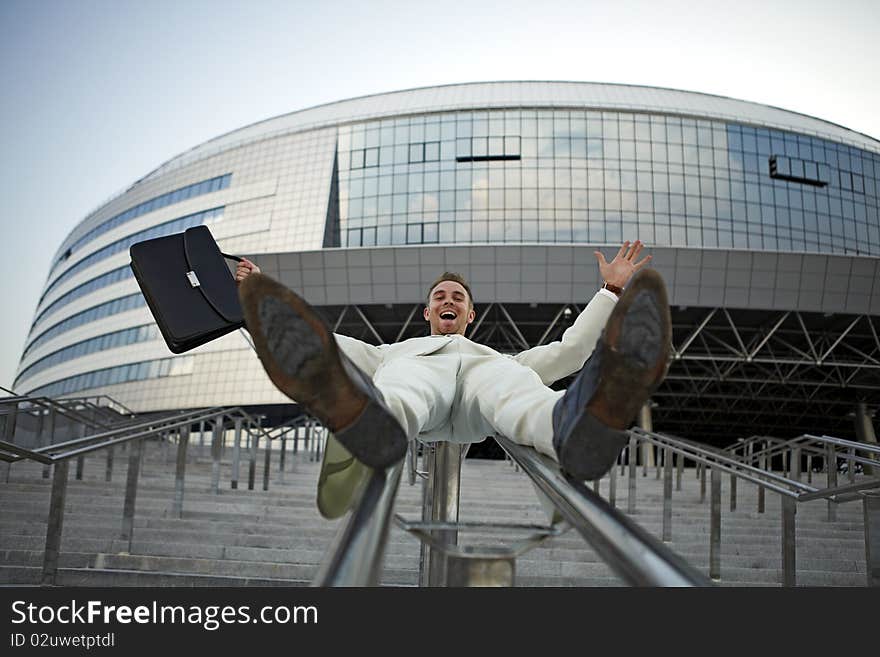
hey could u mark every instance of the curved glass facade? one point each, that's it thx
(489, 163)
(563, 176)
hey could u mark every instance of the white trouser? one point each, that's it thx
(465, 397)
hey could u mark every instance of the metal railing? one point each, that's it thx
(133, 434)
(630, 551)
(791, 490)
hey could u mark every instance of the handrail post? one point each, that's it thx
(809, 468)
(428, 463)
(216, 435)
(612, 485)
(267, 464)
(761, 491)
(851, 464)
(180, 474)
(732, 491)
(702, 482)
(789, 568)
(236, 453)
(446, 489)
(796, 463)
(9, 437)
(678, 470)
(412, 461)
(632, 456)
(46, 438)
(667, 494)
(134, 467)
(56, 522)
(831, 478)
(108, 473)
(252, 465)
(715, 524)
(871, 511)
(202, 439)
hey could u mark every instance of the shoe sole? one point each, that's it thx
(632, 370)
(300, 355)
(626, 381)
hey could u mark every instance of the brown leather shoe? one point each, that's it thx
(300, 355)
(629, 362)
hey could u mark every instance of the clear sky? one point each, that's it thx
(97, 93)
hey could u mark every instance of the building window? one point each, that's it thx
(801, 171)
(364, 158)
(428, 151)
(487, 149)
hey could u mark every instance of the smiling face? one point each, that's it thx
(449, 309)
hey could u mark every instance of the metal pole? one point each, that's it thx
(236, 453)
(267, 464)
(180, 474)
(796, 463)
(679, 462)
(56, 522)
(789, 508)
(732, 492)
(80, 460)
(761, 491)
(809, 468)
(428, 462)
(9, 437)
(252, 466)
(633, 457)
(47, 437)
(646, 423)
(871, 510)
(702, 482)
(108, 474)
(447, 486)
(134, 467)
(412, 461)
(851, 464)
(865, 433)
(667, 495)
(202, 439)
(612, 485)
(831, 478)
(715, 525)
(215, 455)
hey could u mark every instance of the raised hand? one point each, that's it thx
(244, 269)
(625, 263)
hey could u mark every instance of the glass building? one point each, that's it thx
(764, 223)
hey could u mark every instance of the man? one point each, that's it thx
(446, 387)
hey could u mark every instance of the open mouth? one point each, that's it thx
(448, 314)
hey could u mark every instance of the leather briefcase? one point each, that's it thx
(188, 287)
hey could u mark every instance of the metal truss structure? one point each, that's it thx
(734, 372)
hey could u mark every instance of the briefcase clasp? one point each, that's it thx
(193, 279)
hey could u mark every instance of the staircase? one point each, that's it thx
(277, 538)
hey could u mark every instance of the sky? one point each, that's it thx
(97, 93)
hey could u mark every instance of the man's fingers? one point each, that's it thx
(622, 251)
(600, 258)
(644, 261)
(638, 249)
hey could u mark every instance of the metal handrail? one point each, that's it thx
(356, 554)
(110, 438)
(635, 555)
(726, 464)
(806, 443)
(732, 466)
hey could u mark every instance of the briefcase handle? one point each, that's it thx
(231, 257)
